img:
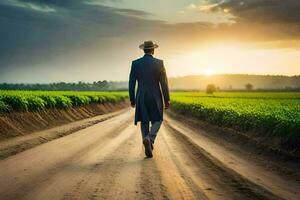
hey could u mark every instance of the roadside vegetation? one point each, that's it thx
(41, 100)
(268, 113)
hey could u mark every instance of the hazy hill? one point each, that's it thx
(199, 82)
(235, 82)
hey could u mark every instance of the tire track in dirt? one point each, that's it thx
(106, 161)
(151, 185)
(216, 177)
(250, 165)
(177, 183)
(51, 158)
(75, 177)
(119, 172)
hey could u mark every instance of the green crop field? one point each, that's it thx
(268, 113)
(40, 100)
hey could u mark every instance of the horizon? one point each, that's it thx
(171, 77)
(88, 40)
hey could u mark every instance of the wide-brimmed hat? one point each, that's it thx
(148, 45)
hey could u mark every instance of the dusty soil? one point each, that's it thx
(106, 161)
(14, 145)
(250, 142)
(22, 123)
(261, 142)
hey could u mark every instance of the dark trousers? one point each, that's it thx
(150, 132)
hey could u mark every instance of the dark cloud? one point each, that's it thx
(134, 13)
(31, 39)
(80, 32)
(259, 20)
(263, 11)
(64, 3)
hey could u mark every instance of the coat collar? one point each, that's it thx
(146, 54)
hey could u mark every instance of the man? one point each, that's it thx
(152, 94)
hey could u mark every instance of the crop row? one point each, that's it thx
(40, 100)
(278, 116)
(242, 95)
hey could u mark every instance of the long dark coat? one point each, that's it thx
(153, 88)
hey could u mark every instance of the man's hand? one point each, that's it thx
(132, 104)
(167, 104)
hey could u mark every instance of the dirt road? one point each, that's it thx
(106, 161)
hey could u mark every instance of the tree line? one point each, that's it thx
(63, 86)
(123, 86)
(211, 88)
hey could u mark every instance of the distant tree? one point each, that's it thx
(211, 88)
(288, 88)
(80, 86)
(249, 86)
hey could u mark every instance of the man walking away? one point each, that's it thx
(152, 94)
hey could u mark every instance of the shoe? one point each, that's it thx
(152, 143)
(147, 145)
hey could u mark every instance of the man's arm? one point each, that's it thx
(132, 82)
(164, 86)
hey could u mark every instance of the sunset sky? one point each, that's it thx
(90, 40)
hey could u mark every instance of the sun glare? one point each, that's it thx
(208, 72)
(232, 58)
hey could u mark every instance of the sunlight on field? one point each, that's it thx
(269, 112)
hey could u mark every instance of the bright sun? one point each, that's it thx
(208, 72)
(226, 58)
